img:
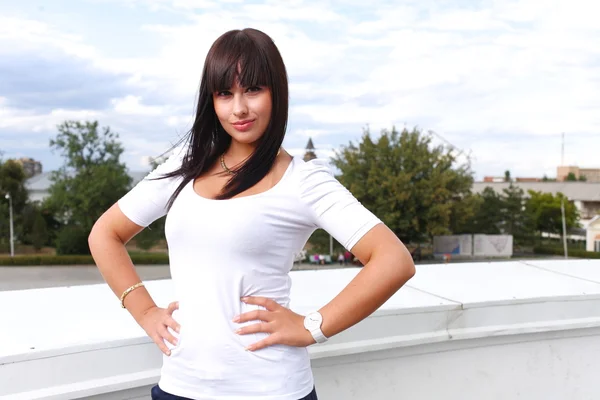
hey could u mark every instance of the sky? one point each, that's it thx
(499, 80)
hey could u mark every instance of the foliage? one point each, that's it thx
(91, 180)
(12, 181)
(516, 220)
(72, 239)
(545, 211)
(571, 177)
(559, 251)
(413, 186)
(488, 216)
(320, 243)
(138, 259)
(151, 235)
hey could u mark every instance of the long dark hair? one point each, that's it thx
(251, 57)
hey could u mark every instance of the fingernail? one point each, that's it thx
(236, 319)
(177, 329)
(176, 342)
(244, 299)
(249, 348)
(238, 331)
(168, 352)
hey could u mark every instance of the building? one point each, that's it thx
(310, 151)
(587, 174)
(503, 179)
(592, 242)
(585, 195)
(30, 166)
(38, 186)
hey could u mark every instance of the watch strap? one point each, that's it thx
(317, 334)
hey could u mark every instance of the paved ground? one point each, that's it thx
(17, 278)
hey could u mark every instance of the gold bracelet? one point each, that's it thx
(129, 290)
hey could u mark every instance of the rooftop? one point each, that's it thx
(456, 331)
(582, 191)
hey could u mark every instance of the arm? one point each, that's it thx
(387, 267)
(107, 243)
(142, 205)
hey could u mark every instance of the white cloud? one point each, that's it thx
(499, 67)
(131, 105)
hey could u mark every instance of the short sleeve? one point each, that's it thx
(148, 200)
(332, 206)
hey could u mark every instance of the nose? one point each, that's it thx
(240, 108)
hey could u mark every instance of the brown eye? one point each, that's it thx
(222, 93)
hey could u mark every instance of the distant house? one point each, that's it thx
(587, 174)
(585, 195)
(38, 186)
(593, 235)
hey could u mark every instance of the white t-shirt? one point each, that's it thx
(222, 250)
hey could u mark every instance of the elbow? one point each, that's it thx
(93, 237)
(408, 268)
(405, 267)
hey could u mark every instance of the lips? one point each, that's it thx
(243, 126)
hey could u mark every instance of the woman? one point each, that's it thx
(238, 208)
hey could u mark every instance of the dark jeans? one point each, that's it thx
(159, 394)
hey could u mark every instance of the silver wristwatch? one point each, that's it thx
(312, 323)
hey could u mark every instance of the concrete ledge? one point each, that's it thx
(75, 342)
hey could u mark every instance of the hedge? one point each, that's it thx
(559, 251)
(151, 258)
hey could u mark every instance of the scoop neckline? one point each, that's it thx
(250, 196)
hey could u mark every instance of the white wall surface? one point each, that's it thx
(593, 229)
(505, 330)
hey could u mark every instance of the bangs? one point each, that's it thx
(236, 58)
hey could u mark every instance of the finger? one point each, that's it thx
(269, 304)
(255, 328)
(171, 323)
(161, 344)
(255, 315)
(166, 335)
(172, 307)
(268, 341)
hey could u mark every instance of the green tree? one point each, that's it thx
(545, 211)
(39, 232)
(582, 178)
(516, 220)
(507, 177)
(91, 180)
(571, 177)
(12, 181)
(412, 185)
(488, 217)
(155, 232)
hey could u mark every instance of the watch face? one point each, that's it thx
(312, 321)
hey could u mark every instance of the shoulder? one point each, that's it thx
(313, 171)
(316, 181)
(170, 162)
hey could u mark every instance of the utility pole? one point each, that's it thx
(564, 225)
(12, 237)
(562, 203)
(562, 156)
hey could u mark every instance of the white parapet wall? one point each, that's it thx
(502, 330)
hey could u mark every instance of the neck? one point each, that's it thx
(239, 152)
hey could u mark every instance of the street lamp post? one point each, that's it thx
(564, 226)
(10, 212)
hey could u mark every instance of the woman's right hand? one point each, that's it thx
(155, 322)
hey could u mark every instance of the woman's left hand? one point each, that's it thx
(282, 324)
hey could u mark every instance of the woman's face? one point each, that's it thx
(244, 112)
